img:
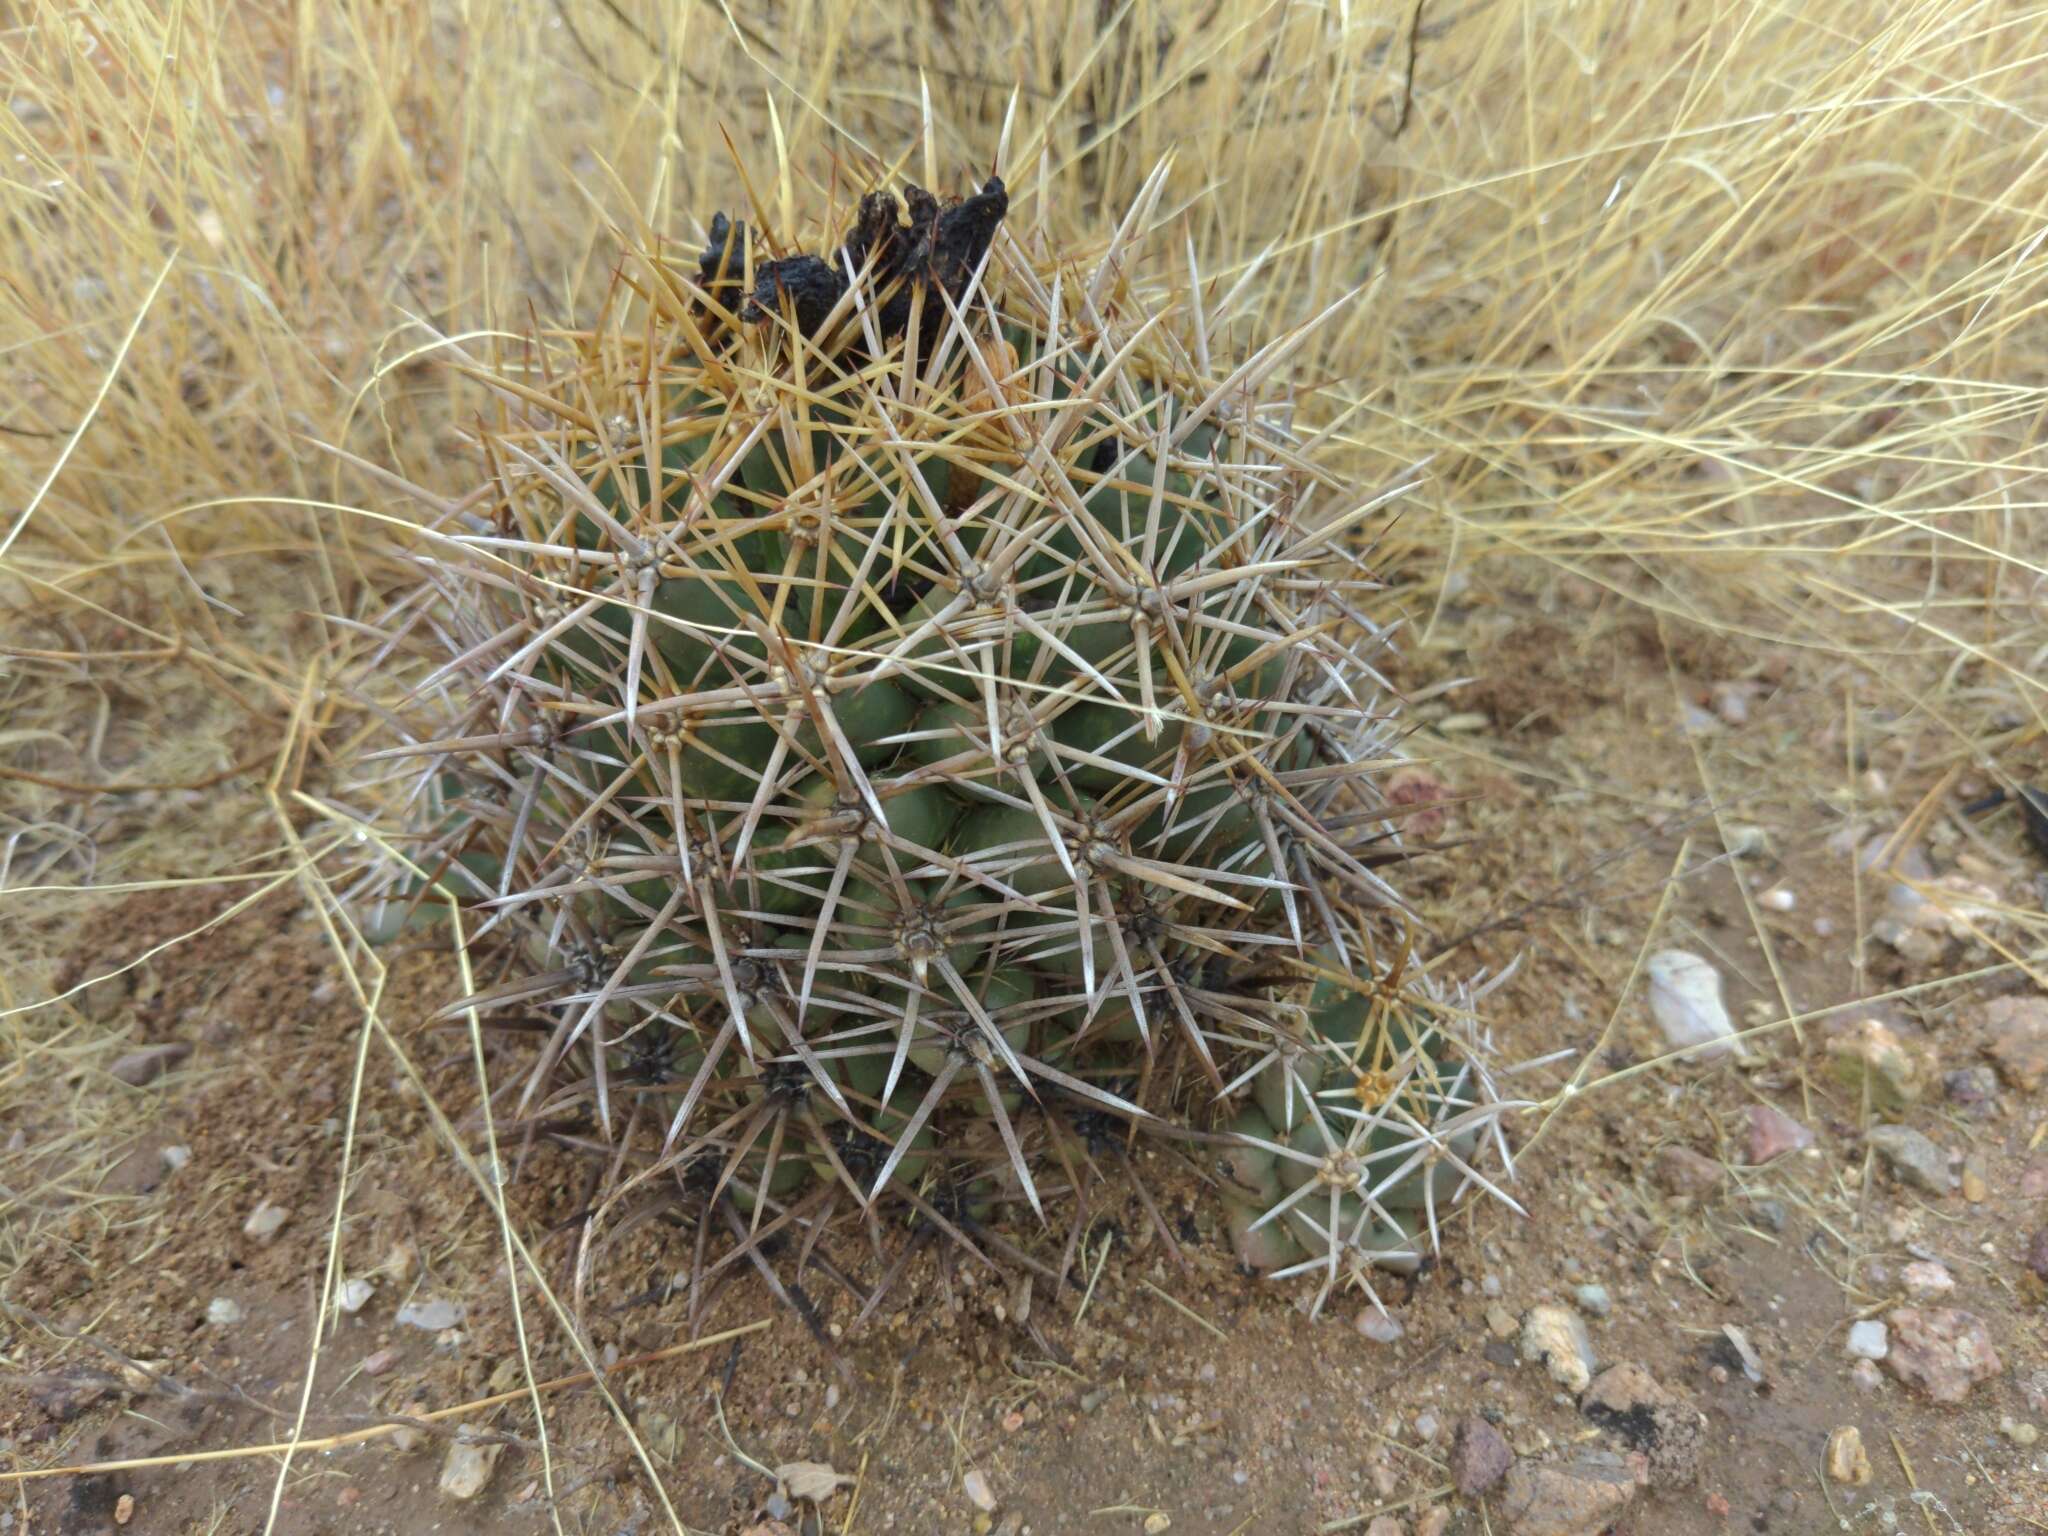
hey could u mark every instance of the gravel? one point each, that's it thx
(1869, 1340)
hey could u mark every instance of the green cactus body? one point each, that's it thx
(972, 703)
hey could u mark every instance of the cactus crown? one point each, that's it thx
(918, 709)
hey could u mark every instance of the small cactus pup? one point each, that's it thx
(907, 717)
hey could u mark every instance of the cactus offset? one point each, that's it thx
(917, 712)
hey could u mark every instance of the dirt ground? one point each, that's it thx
(1599, 762)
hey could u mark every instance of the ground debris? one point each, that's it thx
(1480, 1456)
(1941, 1351)
(1557, 1336)
(1574, 1498)
(1847, 1461)
(1628, 1401)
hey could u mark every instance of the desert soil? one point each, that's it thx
(1593, 764)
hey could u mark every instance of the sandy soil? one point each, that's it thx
(1187, 1397)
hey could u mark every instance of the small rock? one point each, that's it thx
(1772, 1134)
(2037, 1255)
(354, 1294)
(380, 1362)
(1912, 1158)
(1572, 1498)
(1480, 1456)
(1732, 699)
(1681, 1171)
(1869, 1340)
(64, 1398)
(405, 1437)
(1685, 1001)
(1594, 1300)
(2016, 1039)
(1628, 1401)
(175, 1157)
(1435, 1520)
(1974, 1089)
(467, 1471)
(264, 1221)
(1500, 1322)
(1866, 1375)
(1159, 1520)
(1976, 1181)
(1870, 1059)
(1941, 1351)
(2019, 1433)
(815, 1482)
(224, 1312)
(1386, 1525)
(138, 1069)
(1770, 1212)
(1379, 1326)
(1557, 1336)
(124, 1509)
(1426, 1426)
(433, 1316)
(978, 1492)
(2035, 1390)
(1847, 1461)
(1926, 1280)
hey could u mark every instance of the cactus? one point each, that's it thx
(912, 703)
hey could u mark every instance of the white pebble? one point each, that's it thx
(223, 1312)
(1379, 1327)
(433, 1316)
(1557, 1336)
(354, 1295)
(1778, 899)
(1869, 1340)
(264, 1221)
(176, 1157)
(1927, 1280)
(467, 1470)
(1685, 1000)
(978, 1492)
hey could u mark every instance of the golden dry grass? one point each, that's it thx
(1734, 312)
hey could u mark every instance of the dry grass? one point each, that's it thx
(1733, 315)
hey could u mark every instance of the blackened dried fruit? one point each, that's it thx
(722, 267)
(938, 249)
(809, 285)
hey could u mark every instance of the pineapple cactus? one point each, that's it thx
(911, 712)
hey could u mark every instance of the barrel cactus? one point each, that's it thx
(908, 716)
